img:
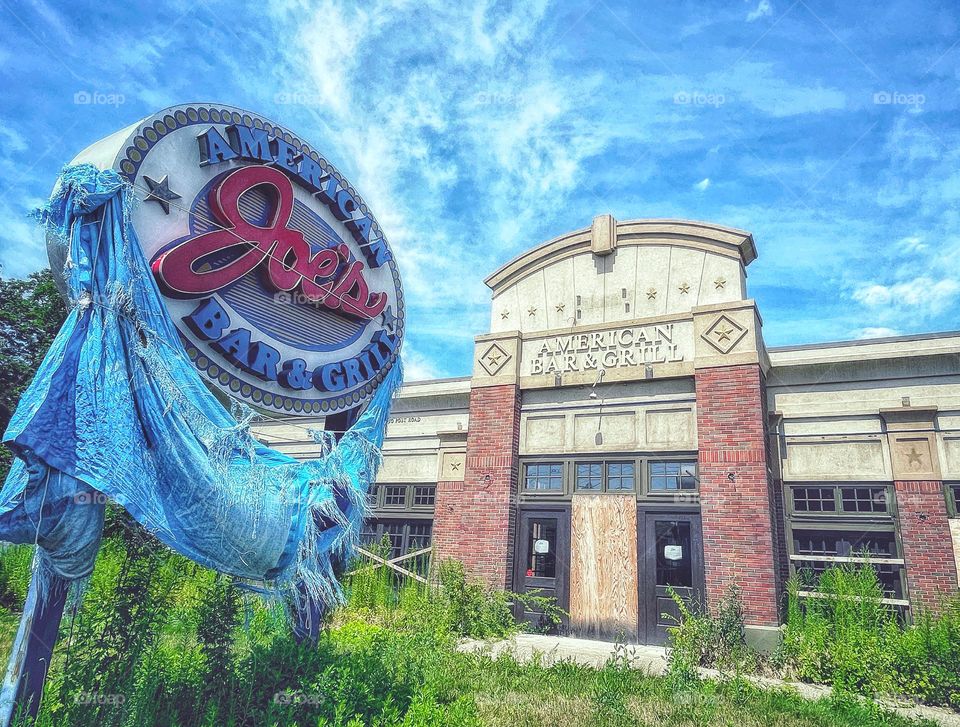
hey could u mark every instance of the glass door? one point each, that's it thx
(671, 551)
(542, 559)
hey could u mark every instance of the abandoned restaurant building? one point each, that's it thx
(626, 431)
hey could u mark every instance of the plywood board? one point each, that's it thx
(603, 565)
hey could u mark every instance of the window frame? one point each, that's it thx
(382, 509)
(951, 491)
(641, 476)
(839, 522)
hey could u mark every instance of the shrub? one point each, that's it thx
(846, 636)
(716, 640)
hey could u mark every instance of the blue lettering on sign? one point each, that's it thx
(214, 148)
(244, 142)
(250, 143)
(208, 320)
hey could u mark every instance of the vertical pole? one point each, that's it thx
(32, 649)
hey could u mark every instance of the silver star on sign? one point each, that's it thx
(160, 193)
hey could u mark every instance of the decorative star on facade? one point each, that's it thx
(504, 315)
(160, 193)
(532, 311)
(914, 457)
(652, 294)
(684, 289)
(723, 333)
(454, 466)
(388, 319)
(719, 283)
(493, 358)
(560, 307)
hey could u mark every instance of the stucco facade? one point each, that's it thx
(625, 430)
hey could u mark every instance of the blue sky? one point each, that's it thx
(478, 130)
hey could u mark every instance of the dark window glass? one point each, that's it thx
(419, 536)
(863, 499)
(589, 476)
(372, 496)
(395, 495)
(844, 543)
(673, 475)
(543, 476)
(395, 533)
(888, 575)
(814, 499)
(542, 549)
(620, 476)
(674, 561)
(955, 495)
(424, 495)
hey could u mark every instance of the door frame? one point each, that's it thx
(562, 580)
(647, 621)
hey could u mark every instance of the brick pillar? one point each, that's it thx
(927, 541)
(735, 493)
(474, 520)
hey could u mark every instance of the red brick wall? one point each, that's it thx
(738, 533)
(927, 544)
(474, 520)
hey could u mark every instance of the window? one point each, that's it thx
(424, 495)
(589, 476)
(953, 498)
(864, 499)
(620, 476)
(394, 496)
(372, 495)
(814, 499)
(401, 538)
(840, 499)
(543, 477)
(673, 475)
(844, 524)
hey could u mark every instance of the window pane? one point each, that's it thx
(395, 495)
(424, 495)
(541, 549)
(674, 557)
(814, 499)
(620, 476)
(676, 475)
(864, 499)
(589, 477)
(543, 476)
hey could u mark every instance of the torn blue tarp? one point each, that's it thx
(117, 411)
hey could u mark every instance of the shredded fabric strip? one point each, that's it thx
(117, 411)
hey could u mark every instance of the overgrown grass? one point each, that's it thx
(845, 637)
(159, 641)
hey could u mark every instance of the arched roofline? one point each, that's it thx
(726, 241)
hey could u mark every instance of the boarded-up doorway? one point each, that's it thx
(603, 566)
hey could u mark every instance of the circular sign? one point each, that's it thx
(277, 275)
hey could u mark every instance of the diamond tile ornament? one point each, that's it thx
(723, 334)
(494, 359)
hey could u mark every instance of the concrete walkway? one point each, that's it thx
(653, 660)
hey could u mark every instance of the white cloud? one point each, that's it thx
(922, 295)
(702, 185)
(912, 244)
(763, 9)
(874, 332)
